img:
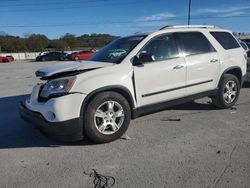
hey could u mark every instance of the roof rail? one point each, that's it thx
(189, 26)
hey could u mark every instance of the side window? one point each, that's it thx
(225, 39)
(195, 43)
(161, 48)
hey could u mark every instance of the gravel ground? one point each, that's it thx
(190, 145)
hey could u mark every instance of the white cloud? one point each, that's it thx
(157, 17)
(230, 14)
(223, 10)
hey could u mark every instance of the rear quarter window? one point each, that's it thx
(226, 40)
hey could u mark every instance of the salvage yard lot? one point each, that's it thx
(190, 145)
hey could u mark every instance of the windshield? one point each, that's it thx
(118, 49)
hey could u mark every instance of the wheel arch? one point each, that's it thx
(236, 71)
(115, 88)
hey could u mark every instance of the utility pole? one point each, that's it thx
(189, 11)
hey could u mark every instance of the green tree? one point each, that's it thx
(19, 45)
(71, 40)
(59, 44)
(37, 42)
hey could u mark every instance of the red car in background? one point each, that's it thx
(6, 59)
(82, 55)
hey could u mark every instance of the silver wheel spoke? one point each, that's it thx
(100, 114)
(233, 93)
(103, 127)
(119, 113)
(232, 86)
(114, 126)
(225, 96)
(111, 105)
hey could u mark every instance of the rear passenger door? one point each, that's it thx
(202, 61)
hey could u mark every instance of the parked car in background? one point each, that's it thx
(51, 56)
(6, 59)
(43, 53)
(116, 53)
(82, 55)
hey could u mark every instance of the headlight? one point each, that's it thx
(57, 87)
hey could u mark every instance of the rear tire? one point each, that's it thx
(228, 92)
(107, 117)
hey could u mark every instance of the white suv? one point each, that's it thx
(98, 98)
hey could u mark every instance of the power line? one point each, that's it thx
(69, 7)
(59, 1)
(56, 3)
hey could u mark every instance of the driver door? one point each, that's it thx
(163, 78)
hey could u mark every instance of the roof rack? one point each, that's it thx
(189, 26)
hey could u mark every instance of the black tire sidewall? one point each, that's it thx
(90, 130)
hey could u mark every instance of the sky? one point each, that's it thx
(54, 18)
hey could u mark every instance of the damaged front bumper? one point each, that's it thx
(69, 130)
(58, 117)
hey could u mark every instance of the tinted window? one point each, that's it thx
(195, 43)
(226, 40)
(161, 48)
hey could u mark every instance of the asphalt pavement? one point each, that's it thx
(190, 145)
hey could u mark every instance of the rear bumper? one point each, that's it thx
(69, 130)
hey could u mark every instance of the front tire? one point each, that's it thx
(5, 60)
(107, 117)
(228, 92)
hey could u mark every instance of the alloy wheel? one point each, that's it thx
(109, 117)
(230, 91)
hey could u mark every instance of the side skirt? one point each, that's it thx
(156, 107)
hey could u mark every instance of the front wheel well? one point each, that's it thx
(121, 90)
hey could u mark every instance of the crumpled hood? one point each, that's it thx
(70, 67)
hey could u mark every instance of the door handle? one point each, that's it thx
(214, 61)
(178, 67)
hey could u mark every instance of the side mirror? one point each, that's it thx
(143, 58)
